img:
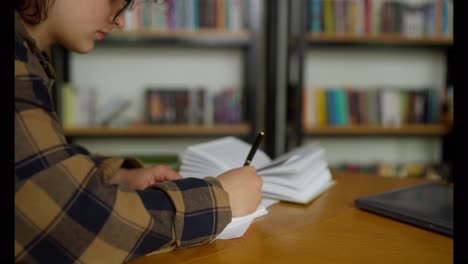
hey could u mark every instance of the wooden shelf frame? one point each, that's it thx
(159, 130)
(390, 39)
(198, 38)
(376, 130)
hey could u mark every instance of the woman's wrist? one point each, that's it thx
(118, 176)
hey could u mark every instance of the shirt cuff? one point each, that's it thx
(202, 209)
(109, 166)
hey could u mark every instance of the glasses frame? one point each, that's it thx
(128, 6)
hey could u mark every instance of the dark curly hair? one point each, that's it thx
(33, 11)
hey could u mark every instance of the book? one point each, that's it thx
(321, 106)
(67, 94)
(342, 107)
(413, 19)
(315, 16)
(236, 15)
(309, 113)
(339, 11)
(328, 17)
(298, 176)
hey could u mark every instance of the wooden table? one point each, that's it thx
(328, 230)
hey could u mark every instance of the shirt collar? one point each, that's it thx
(22, 35)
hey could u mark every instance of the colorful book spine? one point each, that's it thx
(161, 20)
(171, 21)
(341, 107)
(429, 19)
(180, 14)
(212, 10)
(227, 14)
(450, 18)
(363, 117)
(154, 16)
(339, 17)
(236, 15)
(220, 14)
(367, 17)
(147, 16)
(331, 107)
(351, 15)
(138, 17)
(434, 106)
(189, 13)
(404, 107)
(438, 17)
(445, 18)
(210, 108)
(196, 14)
(309, 114)
(376, 15)
(371, 107)
(361, 17)
(321, 106)
(353, 110)
(315, 16)
(67, 94)
(238, 102)
(328, 17)
(181, 106)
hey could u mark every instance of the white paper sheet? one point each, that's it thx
(239, 225)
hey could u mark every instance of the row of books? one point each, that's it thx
(193, 106)
(186, 15)
(387, 106)
(168, 105)
(397, 170)
(415, 18)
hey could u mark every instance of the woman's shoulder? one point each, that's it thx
(28, 59)
(32, 83)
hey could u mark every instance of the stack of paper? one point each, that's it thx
(239, 225)
(298, 176)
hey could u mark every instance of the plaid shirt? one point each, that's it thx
(65, 208)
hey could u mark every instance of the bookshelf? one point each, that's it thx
(241, 43)
(369, 130)
(159, 130)
(382, 39)
(367, 55)
(207, 38)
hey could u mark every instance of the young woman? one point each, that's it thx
(71, 206)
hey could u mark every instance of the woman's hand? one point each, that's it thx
(244, 187)
(142, 178)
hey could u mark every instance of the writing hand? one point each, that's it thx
(244, 187)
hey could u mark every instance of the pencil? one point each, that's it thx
(254, 148)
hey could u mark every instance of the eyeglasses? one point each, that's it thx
(128, 6)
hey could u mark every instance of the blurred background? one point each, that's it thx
(371, 80)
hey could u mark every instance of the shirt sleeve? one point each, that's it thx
(66, 211)
(128, 163)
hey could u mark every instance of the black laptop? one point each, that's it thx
(427, 205)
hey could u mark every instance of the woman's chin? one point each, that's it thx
(82, 48)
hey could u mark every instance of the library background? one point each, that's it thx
(371, 80)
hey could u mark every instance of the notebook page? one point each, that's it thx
(297, 181)
(230, 152)
(315, 188)
(292, 157)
